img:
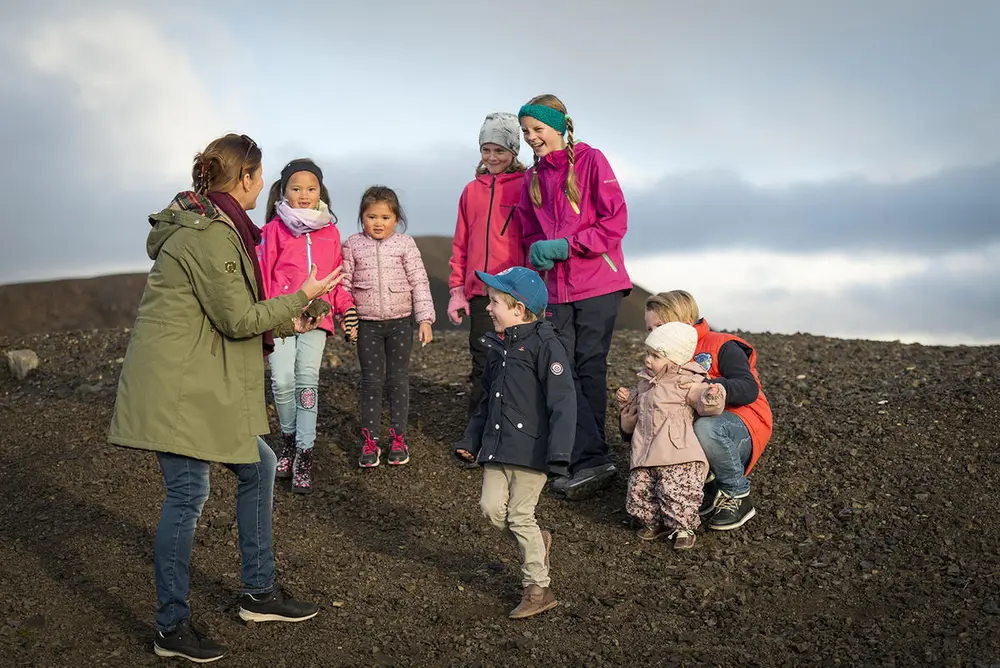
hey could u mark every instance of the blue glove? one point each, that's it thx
(542, 253)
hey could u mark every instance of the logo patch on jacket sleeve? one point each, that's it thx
(556, 368)
(705, 360)
(230, 267)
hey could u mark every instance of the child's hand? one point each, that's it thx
(714, 395)
(425, 334)
(465, 455)
(622, 397)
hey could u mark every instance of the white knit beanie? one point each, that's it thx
(503, 129)
(676, 341)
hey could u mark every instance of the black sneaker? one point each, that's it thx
(559, 483)
(186, 643)
(711, 498)
(731, 513)
(274, 607)
(588, 481)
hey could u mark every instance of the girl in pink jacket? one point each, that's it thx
(573, 219)
(386, 276)
(487, 234)
(301, 232)
(665, 485)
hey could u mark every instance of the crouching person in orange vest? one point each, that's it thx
(734, 440)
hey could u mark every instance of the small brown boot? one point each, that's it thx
(535, 600)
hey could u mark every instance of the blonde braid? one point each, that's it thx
(536, 189)
(572, 190)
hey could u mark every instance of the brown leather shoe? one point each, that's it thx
(535, 600)
(547, 540)
(683, 539)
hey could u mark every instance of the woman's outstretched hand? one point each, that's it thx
(317, 287)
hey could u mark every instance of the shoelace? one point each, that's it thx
(370, 447)
(726, 502)
(681, 533)
(398, 442)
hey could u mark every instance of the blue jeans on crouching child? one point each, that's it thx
(727, 445)
(295, 366)
(186, 480)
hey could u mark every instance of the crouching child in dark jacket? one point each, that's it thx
(525, 424)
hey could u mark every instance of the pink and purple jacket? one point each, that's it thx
(596, 265)
(387, 278)
(488, 233)
(285, 259)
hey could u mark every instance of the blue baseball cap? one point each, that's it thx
(523, 284)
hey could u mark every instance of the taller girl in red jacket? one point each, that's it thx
(487, 234)
(302, 232)
(573, 220)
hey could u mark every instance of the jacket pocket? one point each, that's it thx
(400, 287)
(510, 215)
(681, 433)
(216, 340)
(517, 420)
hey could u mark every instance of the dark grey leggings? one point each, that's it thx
(384, 352)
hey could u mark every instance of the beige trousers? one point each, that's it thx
(510, 494)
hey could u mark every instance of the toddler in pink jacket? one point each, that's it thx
(668, 467)
(385, 275)
(301, 232)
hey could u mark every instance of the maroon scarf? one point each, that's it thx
(250, 234)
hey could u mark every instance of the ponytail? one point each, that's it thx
(535, 189)
(274, 196)
(572, 190)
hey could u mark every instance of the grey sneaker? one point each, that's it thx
(275, 607)
(186, 643)
(585, 483)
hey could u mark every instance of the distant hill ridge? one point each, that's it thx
(108, 302)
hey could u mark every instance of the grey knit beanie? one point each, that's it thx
(503, 129)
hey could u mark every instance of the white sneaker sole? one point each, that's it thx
(729, 527)
(170, 654)
(249, 616)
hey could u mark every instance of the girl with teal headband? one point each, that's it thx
(573, 219)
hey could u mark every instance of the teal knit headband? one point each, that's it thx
(553, 118)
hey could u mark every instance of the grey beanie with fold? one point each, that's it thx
(503, 129)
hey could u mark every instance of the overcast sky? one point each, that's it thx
(829, 166)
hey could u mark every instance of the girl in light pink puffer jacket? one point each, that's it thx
(384, 273)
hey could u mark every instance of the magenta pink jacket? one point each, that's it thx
(596, 265)
(487, 233)
(387, 278)
(284, 263)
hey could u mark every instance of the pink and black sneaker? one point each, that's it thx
(302, 471)
(285, 457)
(370, 451)
(399, 454)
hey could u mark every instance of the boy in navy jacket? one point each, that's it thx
(525, 424)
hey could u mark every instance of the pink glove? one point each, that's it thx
(456, 304)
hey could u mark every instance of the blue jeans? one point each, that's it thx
(294, 383)
(728, 447)
(186, 480)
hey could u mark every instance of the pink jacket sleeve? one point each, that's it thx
(608, 201)
(348, 272)
(460, 246)
(340, 299)
(267, 254)
(416, 275)
(531, 231)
